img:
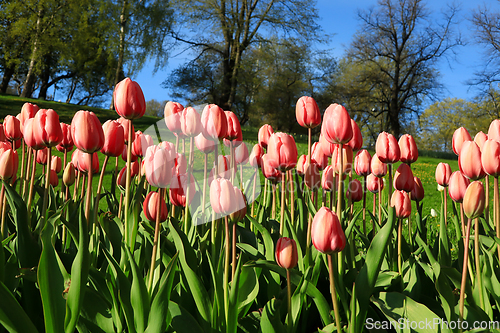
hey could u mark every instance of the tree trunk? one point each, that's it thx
(119, 74)
(31, 77)
(45, 77)
(71, 92)
(7, 75)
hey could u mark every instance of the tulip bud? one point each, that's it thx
(286, 253)
(403, 178)
(158, 165)
(356, 141)
(233, 127)
(346, 162)
(459, 137)
(301, 165)
(129, 100)
(408, 149)
(326, 233)
(241, 204)
(417, 193)
(373, 183)
(490, 157)
(29, 136)
(2, 134)
(480, 138)
(203, 144)
(268, 170)
(494, 130)
(178, 189)
(255, 157)
(150, 207)
(8, 164)
(241, 154)
(56, 164)
(401, 202)
(69, 174)
(264, 134)
(12, 128)
(469, 161)
(47, 129)
(133, 157)
(327, 147)
(28, 111)
(87, 132)
(122, 177)
(173, 113)
(379, 169)
(362, 163)
(443, 174)
(114, 138)
(282, 151)
(307, 112)
(457, 186)
(223, 168)
(222, 197)
(327, 181)
(387, 148)
(54, 180)
(66, 144)
(83, 162)
(312, 177)
(355, 190)
(190, 122)
(41, 157)
(125, 123)
(474, 200)
(214, 122)
(318, 157)
(336, 125)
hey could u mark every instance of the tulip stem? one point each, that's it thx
(273, 211)
(188, 183)
(205, 166)
(389, 185)
(282, 215)
(65, 159)
(476, 258)
(26, 171)
(21, 178)
(292, 197)
(226, 271)
(88, 203)
(84, 178)
(374, 208)
(47, 185)
(341, 171)
(380, 202)
(364, 205)
(2, 197)
(32, 182)
(233, 252)
(487, 202)
(497, 210)
(99, 187)
(334, 294)
(289, 300)
(128, 180)
(400, 234)
(77, 183)
(253, 191)
(445, 208)
(464, 270)
(155, 241)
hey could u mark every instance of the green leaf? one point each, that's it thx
(182, 320)
(159, 306)
(232, 319)
(12, 315)
(271, 319)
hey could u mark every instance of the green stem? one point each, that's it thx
(189, 171)
(253, 191)
(226, 270)
(400, 234)
(364, 205)
(282, 213)
(497, 211)
(32, 183)
(127, 182)
(478, 267)
(464, 270)
(99, 187)
(47, 185)
(334, 294)
(89, 190)
(289, 300)
(155, 242)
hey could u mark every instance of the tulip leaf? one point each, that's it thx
(159, 305)
(270, 321)
(12, 315)
(444, 244)
(182, 320)
(232, 319)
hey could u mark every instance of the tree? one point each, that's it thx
(155, 108)
(398, 46)
(222, 31)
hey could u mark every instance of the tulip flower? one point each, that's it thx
(224, 171)
(173, 113)
(264, 134)
(286, 253)
(318, 157)
(403, 178)
(443, 174)
(494, 130)
(387, 148)
(327, 147)
(126, 124)
(28, 111)
(67, 143)
(41, 157)
(356, 190)
(178, 189)
(417, 193)
(301, 165)
(469, 161)
(233, 127)
(336, 125)
(408, 149)
(327, 179)
(362, 163)
(12, 128)
(180, 164)
(307, 112)
(54, 180)
(56, 164)
(150, 207)
(114, 139)
(480, 138)
(312, 177)
(83, 162)
(2, 134)
(378, 168)
(133, 157)
(374, 183)
(401, 201)
(490, 157)
(356, 141)
(158, 165)
(326, 233)
(46, 128)
(137, 144)
(241, 154)
(203, 144)
(69, 174)
(190, 122)
(9, 161)
(29, 136)
(268, 171)
(129, 100)
(282, 151)
(457, 186)
(240, 213)
(120, 180)
(460, 136)
(214, 122)
(347, 158)
(87, 133)
(222, 197)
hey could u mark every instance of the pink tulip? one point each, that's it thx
(29, 136)
(408, 149)
(387, 148)
(173, 114)
(373, 183)
(327, 180)
(180, 164)
(53, 179)
(46, 128)
(268, 170)
(83, 162)
(204, 145)
(355, 190)
(480, 138)
(327, 147)
(241, 154)
(362, 163)
(417, 193)
(222, 195)
(403, 178)
(282, 151)
(457, 186)
(150, 207)
(490, 157)
(256, 156)
(312, 177)
(133, 157)
(347, 159)
(214, 123)
(87, 132)
(178, 188)
(223, 164)
(401, 202)
(318, 157)
(56, 164)
(9, 162)
(286, 253)
(114, 139)
(459, 137)
(336, 125)
(494, 130)
(28, 111)
(12, 128)
(125, 123)
(264, 134)
(307, 112)
(41, 156)
(66, 145)
(158, 165)
(326, 233)
(2, 134)
(233, 127)
(301, 165)
(241, 206)
(469, 161)
(190, 122)
(356, 141)
(443, 174)
(379, 169)
(474, 200)
(129, 100)
(137, 145)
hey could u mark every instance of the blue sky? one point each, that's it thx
(339, 18)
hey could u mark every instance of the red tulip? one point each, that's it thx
(373, 183)
(318, 157)
(69, 174)
(403, 178)
(173, 113)
(327, 147)
(327, 180)
(469, 161)
(282, 151)
(494, 130)
(347, 159)
(387, 148)
(129, 99)
(312, 177)
(408, 149)
(87, 132)
(114, 139)
(362, 163)
(401, 202)
(233, 127)
(459, 137)
(286, 253)
(214, 123)
(180, 164)
(67, 141)
(268, 170)
(150, 207)
(178, 189)
(379, 169)
(223, 164)
(53, 179)
(158, 165)
(125, 124)
(137, 144)
(255, 157)
(190, 122)
(490, 157)
(457, 187)
(356, 141)
(480, 138)
(2, 134)
(443, 174)
(203, 144)
(474, 200)
(46, 128)
(122, 177)
(12, 128)
(264, 134)
(83, 162)
(355, 189)
(29, 136)
(133, 157)
(56, 164)
(241, 154)
(307, 112)
(336, 125)
(301, 165)
(41, 156)
(417, 193)
(9, 162)
(326, 233)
